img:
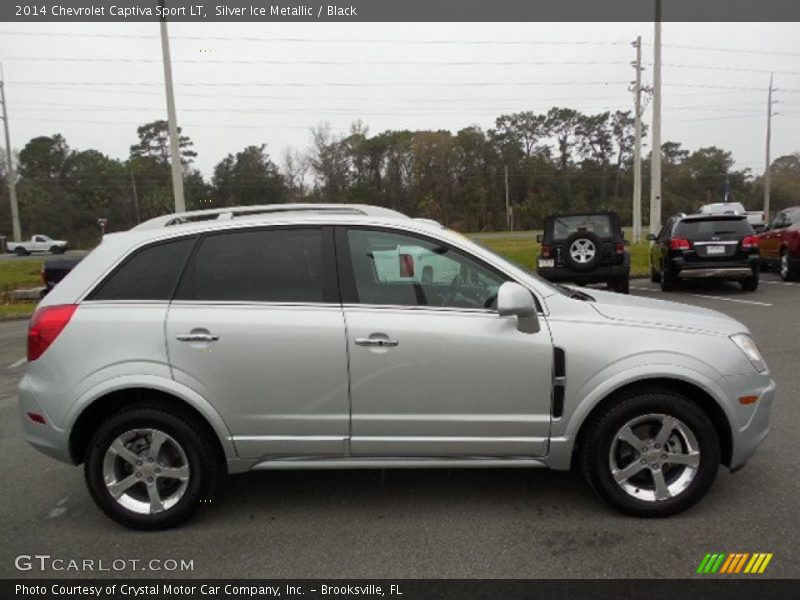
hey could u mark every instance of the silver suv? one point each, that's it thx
(314, 337)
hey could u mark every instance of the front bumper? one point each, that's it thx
(751, 425)
(600, 274)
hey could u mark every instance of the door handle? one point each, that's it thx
(377, 342)
(197, 337)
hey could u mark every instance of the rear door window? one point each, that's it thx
(268, 265)
(149, 274)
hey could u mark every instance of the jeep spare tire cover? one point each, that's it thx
(582, 250)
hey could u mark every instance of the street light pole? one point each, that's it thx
(637, 148)
(655, 155)
(177, 167)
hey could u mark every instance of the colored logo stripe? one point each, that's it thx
(737, 562)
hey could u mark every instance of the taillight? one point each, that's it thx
(46, 325)
(749, 242)
(547, 250)
(680, 244)
(620, 248)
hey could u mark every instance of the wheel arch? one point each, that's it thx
(110, 402)
(693, 392)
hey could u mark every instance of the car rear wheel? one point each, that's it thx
(655, 276)
(749, 284)
(786, 271)
(20, 251)
(667, 282)
(653, 453)
(621, 285)
(150, 469)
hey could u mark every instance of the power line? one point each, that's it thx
(295, 62)
(308, 40)
(731, 50)
(230, 84)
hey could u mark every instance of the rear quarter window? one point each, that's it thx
(149, 274)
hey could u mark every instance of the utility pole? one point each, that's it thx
(12, 178)
(509, 224)
(177, 167)
(637, 148)
(767, 168)
(655, 155)
(135, 197)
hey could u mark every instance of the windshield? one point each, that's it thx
(563, 227)
(540, 280)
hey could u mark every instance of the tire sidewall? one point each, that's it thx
(597, 466)
(582, 235)
(201, 471)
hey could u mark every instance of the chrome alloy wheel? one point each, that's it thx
(582, 251)
(654, 457)
(146, 471)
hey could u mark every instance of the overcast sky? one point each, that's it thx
(243, 84)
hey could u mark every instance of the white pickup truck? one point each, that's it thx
(754, 217)
(38, 243)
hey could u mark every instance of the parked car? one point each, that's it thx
(585, 248)
(38, 243)
(172, 355)
(54, 270)
(705, 247)
(756, 218)
(780, 244)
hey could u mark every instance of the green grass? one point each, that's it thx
(18, 274)
(524, 250)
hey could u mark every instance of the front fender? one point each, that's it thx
(601, 385)
(160, 384)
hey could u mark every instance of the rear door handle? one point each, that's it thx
(197, 337)
(377, 342)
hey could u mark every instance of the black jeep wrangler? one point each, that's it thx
(585, 248)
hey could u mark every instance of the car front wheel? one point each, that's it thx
(150, 469)
(785, 268)
(651, 454)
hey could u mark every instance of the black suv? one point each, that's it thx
(585, 248)
(705, 247)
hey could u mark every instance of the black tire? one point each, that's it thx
(589, 264)
(749, 284)
(205, 466)
(20, 251)
(596, 446)
(667, 282)
(655, 276)
(785, 269)
(621, 285)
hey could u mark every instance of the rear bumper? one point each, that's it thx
(45, 437)
(714, 270)
(598, 275)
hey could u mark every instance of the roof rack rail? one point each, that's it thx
(234, 212)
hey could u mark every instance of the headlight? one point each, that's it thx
(748, 346)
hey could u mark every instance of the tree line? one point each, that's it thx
(562, 160)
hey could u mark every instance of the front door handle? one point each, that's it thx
(377, 342)
(197, 337)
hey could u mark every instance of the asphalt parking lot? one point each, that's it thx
(427, 523)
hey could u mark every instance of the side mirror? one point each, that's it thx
(515, 300)
(540, 237)
(651, 237)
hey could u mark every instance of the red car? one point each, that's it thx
(780, 243)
